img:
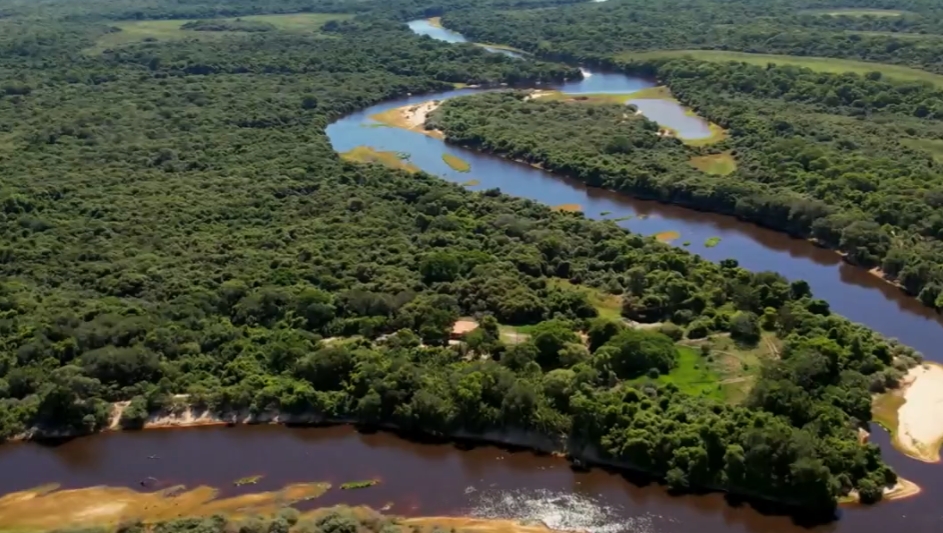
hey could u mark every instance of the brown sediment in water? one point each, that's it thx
(903, 489)
(46, 509)
(43, 509)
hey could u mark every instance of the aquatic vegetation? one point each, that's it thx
(366, 154)
(471, 183)
(712, 242)
(570, 208)
(667, 236)
(456, 163)
(249, 480)
(351, 485)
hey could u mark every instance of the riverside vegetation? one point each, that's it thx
(176, 222)
(848, 159)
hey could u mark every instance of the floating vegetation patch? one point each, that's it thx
(667, 236)
(471, 183)
(712, 242)
(604, 213)
(352, 485)
(456, 163)
(366, 154)
(623, 219)
(570, 208)
(249, 480)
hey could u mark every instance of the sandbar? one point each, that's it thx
(919, 429)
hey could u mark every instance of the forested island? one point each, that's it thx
(179, 233)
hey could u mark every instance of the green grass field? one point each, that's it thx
(169, 30)
(692, 375)
(818, 64)
(735, 366)
(720, 164)
(932, 146)
(607, 305)
(853, 12)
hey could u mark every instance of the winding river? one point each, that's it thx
(434, 479)
(851, 291)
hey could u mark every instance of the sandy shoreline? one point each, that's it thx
(411, 117)
(184, 416)
(919, 431)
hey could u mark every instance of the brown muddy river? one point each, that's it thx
(431, 479)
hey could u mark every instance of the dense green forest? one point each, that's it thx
(177, 223)
(808, 163)
(850, 160)
(911, 34)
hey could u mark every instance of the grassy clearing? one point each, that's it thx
(721, 164)
(366, 154)
(169, 30)
(692, 375)
(570, 208)
(589, 98)
(456, 163)
(712, 242)
(667, 236)
(932, 146)
(298, 21)
(512, 334)
(717, 134)
(737, 366)
(818, 64)
(607, 305)
(656, 93)
(853, 12)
